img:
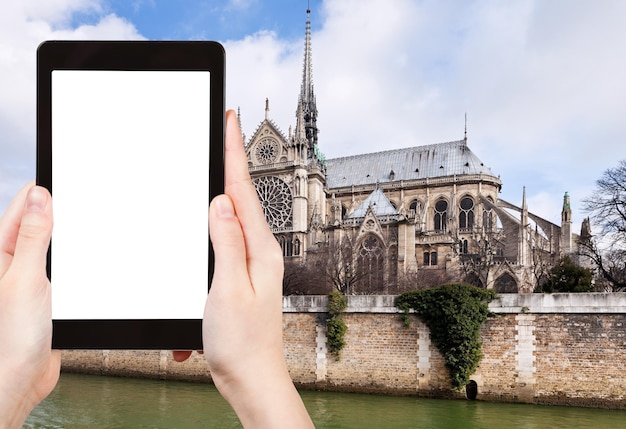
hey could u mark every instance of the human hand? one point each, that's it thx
(242, 329)
(29, 369)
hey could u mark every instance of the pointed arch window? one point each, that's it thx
(441, 215)
(506, 283)
(415, 209)
(370, 261)
(488, 219)
(466, 213)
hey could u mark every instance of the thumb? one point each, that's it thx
(35, 231)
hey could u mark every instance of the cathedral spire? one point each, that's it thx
(523, 255)
(243, 136)
(306, 113)
(465, 133)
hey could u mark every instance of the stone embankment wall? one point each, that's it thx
(553, 349)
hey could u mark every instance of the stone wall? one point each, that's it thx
(556, 349)
(157, 364)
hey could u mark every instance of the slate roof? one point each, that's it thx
(420, 162)
(380, 205)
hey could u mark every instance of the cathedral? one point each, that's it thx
(424, 212)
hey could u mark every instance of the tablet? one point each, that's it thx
(130, 145)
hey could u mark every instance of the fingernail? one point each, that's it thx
(36, 199)
(224, 208)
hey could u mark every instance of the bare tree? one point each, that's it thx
(301, 278)
(424, 278)
(331, 266)
(542, 264)
(610, 262)
(607, 209)
(337, 265)
(480, 258)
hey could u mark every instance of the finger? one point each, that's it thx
(239, 187)
(262, 250)
(181, 355)
(9, 227)
(34, 233)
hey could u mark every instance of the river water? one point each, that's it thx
(83, 401)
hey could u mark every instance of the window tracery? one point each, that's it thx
(276, 199)
(488, 219)
(441, 216)
(466, 213)
(267, 151)
(370, 260)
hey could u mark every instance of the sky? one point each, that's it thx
(542, 81)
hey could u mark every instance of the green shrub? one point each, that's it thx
(335, 326)
(336, 303)
(335, 332)
(567, 276)
(454, 314)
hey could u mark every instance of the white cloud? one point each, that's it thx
(23, 26)
(55, 12)
(141, 4)
(542, 82)
(258, 67)
(240, 4)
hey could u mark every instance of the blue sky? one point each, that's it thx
(542, 81)
(214, 20)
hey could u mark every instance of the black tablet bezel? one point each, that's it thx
(171, 334)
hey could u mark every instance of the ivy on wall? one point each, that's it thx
(454, 314)
(335, 326)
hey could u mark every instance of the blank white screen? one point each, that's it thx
(130, 186)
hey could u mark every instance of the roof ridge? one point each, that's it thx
(273, 124)
(362, 208)
(397, 150)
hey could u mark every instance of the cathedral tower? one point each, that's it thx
(305, 139)
(306, 113)
(289, 172)
(566, 226)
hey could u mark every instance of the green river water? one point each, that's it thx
(82, 401)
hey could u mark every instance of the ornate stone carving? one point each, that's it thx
(266, 151)
(275, 196)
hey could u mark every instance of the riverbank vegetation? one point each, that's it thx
(567, 276)
(335, 326)
(454, 313)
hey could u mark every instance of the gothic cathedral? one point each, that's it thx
(421, 212)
